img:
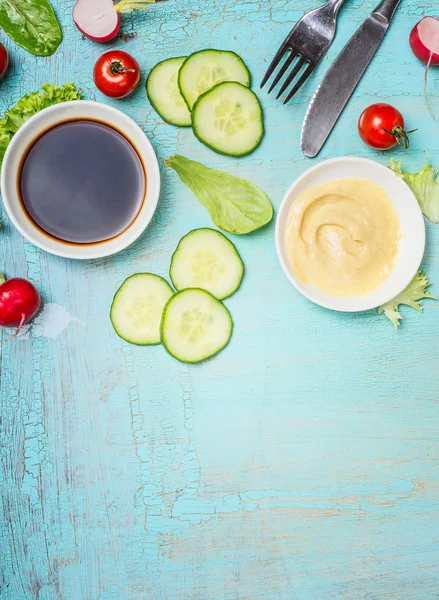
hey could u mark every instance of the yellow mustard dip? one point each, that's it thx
(343, 237)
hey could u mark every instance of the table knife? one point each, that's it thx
(342, 78)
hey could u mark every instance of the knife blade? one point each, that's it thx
(343, 77)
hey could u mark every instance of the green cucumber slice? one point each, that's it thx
(228, 118)
(137, 308)
(204, 69)
(206, 259)
(195, 326)
(164, 93)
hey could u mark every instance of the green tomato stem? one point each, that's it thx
(116, 67)
(400, 135)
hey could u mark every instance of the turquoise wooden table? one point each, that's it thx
(302, 462)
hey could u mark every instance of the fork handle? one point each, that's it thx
(334, 5)
(386, 9)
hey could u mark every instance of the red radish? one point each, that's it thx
(424, 41)
(3, 60)
(99, 20)
(19, 303)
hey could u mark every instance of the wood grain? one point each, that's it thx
(302, 462)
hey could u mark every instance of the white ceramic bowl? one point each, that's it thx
(44, 121)
(412, 229)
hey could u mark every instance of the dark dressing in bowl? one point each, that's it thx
(82, 182)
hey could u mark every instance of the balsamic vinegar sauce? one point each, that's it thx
(82, 182)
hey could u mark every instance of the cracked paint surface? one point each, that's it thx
(52, 320)
(299, 464)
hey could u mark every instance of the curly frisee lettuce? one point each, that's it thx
(30, 105)
(416, 291)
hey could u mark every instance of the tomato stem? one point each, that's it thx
(117, 67)
(401, 136)
(23, 317)
(2, 278)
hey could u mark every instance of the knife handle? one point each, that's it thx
(386, 9)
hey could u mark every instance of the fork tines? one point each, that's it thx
(284, 49)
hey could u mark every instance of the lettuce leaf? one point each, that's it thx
(29, 106)
(235, 205)
(411, 296)
(425, 187)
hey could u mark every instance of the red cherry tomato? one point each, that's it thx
(116, 74)
(381, 126)
(3, 60)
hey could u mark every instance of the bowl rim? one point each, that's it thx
(44, 121)
(336, 303)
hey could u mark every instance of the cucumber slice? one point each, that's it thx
(164, 93)
(137, 308)
(206, 259)
(228, 118)
(206, 68)
(195, 326)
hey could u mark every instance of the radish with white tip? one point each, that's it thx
(99, 20)
(19, 303)
(424, 41)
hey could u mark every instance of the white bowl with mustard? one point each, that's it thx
(350, 234)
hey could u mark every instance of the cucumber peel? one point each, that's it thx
(164, 93)
(137, 308)
(206, 259)
(195, 326)
(228, 119)
(206, 68)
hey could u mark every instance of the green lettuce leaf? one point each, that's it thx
(32, 24)
(235, 205)
(425, 187)
(29, 106)
(411, 296)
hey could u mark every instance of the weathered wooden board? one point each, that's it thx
(301, 463)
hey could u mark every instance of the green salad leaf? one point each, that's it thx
(235, 205)
(411, 296)
(32, 24)
(425, 187)
(30, 105)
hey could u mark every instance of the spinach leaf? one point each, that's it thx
(32, 24)
(235, 205)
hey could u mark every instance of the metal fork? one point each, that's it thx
(308, 41)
